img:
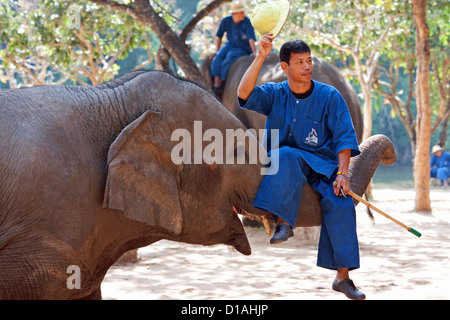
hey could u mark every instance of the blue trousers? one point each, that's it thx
(281, 194)
(224, 59)
(440, 173)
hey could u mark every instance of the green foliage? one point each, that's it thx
(438, 20)
(356, 26)
(76, 38)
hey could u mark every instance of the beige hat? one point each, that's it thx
(436, 148)
(270, 16)
(237, 7)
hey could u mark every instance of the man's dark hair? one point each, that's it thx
(294, 46)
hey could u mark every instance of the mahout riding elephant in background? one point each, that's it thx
(271, 72)
(89, 173)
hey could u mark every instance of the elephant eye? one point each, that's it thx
(242, 148)
(241, 154)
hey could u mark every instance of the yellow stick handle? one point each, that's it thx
(412, 230)
(355, 196)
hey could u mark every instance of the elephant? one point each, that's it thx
(271, 72)
(89, 173)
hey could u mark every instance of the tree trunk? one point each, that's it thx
(443, 136)
(423, 123)
(367, 107)
(367, 131)
(162, 60)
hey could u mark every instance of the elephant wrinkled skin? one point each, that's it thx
(87, 174)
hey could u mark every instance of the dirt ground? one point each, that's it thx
(395, 264)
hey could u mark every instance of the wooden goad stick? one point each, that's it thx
(413, 231)
(355, 196)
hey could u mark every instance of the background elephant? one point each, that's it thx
(89, 173)
(271, 71)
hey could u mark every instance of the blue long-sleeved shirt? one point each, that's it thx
(320, 125)
(442, 161)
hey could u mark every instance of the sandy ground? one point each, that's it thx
(395, 264)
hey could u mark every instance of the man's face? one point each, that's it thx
(238, 16)
(438, 153)
(300, 67)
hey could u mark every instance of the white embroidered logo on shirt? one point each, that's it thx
(312, 138)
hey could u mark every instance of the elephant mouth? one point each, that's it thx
(241, 244)
(239, 238)
(234, 235)
(261, 218)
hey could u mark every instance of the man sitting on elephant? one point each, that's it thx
(241, 41)
(316, 141)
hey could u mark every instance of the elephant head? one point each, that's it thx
(173, 168)
(95, 171)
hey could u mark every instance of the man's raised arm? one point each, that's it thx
(248, 81)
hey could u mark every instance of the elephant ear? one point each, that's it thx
(142, 178)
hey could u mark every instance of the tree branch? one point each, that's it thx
(375, 54)
(174, 45)
(441, 84)
(23, 68)
(89, 48)
(327, 40)
(199, 16)
(116, 6)
(117, 55)
(165, 11)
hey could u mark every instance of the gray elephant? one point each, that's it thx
(271, 72)
(89, 173)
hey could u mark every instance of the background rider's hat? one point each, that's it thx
(237, 7)
(436, 148)
(270, 16)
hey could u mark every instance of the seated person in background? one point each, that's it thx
(241, 41)
(440, 164)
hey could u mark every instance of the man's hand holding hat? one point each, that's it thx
(268, 19)
(270, 16)
(265, 45)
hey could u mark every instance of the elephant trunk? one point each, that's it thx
(374, 150)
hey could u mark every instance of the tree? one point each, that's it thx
(52, 41)
(432, 110)
(21, 66)
(143, 12)
(383, 54)
(401, 59)
(358, 30)
(439, 24)
(423, 121)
